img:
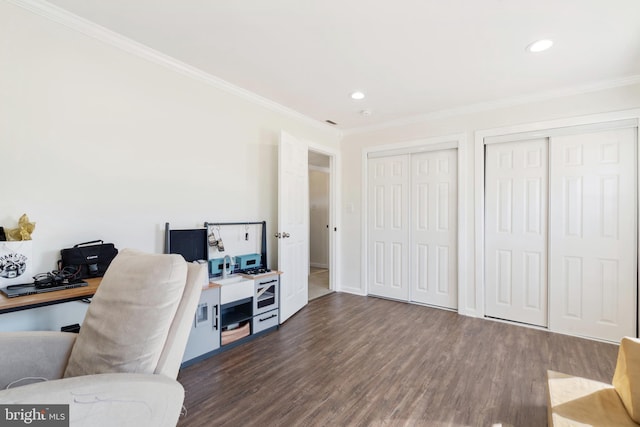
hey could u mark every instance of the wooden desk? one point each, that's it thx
(8, 305)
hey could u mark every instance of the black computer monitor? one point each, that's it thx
(190, 243)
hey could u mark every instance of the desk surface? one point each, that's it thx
(8, 305)
(48, 298)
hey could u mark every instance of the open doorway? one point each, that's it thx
(319, 225)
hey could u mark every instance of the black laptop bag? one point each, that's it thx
(88, 259)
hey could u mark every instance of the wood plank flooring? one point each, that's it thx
(347, 360)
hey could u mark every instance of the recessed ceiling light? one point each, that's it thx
(357, 95)
(539, 45)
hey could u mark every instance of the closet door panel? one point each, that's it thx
(593, 256)
(516, 194)
(434, 228)
(388, 227)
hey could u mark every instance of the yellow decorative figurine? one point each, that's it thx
(24, 230)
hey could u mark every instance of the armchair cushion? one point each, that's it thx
(626, 378)
(128, 321)
(123, 400)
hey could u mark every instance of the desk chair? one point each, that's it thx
(121, 368)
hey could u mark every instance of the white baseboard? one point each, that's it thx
(318, 265)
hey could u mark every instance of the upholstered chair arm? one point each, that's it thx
(123, 400)
(30, 356)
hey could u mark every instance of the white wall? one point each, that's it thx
(97, 143)
(620, 98)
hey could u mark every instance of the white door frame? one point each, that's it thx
(457, 141)
(335, 183)
(536, 129)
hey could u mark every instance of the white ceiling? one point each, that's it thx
(410, 57)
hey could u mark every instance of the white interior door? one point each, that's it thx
(293, 225)
(434, 195)
(388, 227)
(593, 257)
(516, 194)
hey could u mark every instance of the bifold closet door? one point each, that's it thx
(516, 194)
(434, 225)
(593, 256)
(388, 227)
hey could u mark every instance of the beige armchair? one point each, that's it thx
(577, 401)
(121, 368)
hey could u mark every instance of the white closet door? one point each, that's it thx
(593, 259)
(516, 194)
(434, 227)
(388, 205)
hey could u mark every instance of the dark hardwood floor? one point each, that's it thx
(349, 360)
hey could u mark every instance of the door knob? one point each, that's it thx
(286, 235)
(277, 235)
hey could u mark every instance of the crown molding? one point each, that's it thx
(497, 104)
(91, 29)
